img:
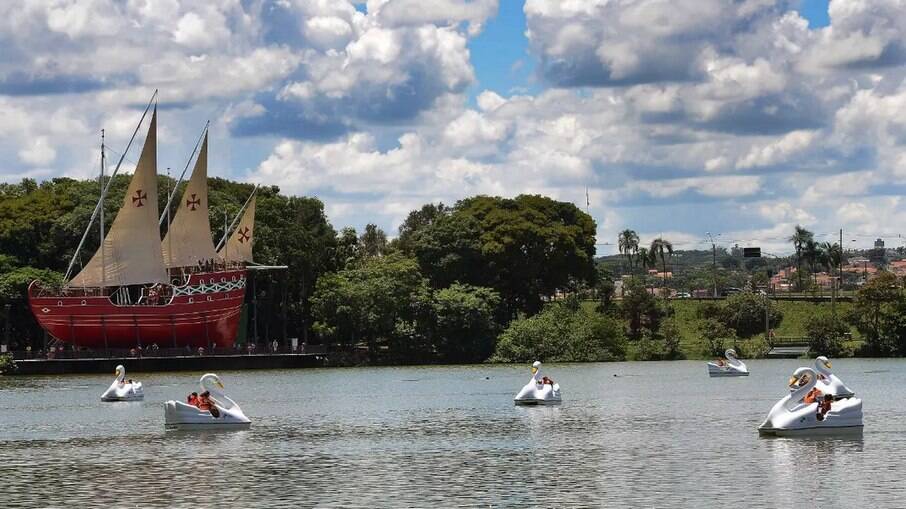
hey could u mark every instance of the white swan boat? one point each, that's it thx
(731, 367)
(180, 415)
(828, 383)
(121, 390)
(537, 392)
(792, 416)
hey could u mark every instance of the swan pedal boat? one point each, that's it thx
(120, 390)
(733, 366)
(179, 415)
(791, 416)
(536, 392)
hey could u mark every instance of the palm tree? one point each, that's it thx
(662, 249)
(646, 261)
(832, 256)
(811, 251)
(799, 238)
(628, 243)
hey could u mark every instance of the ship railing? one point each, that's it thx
(40, 291)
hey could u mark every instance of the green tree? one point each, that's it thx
(800, 238)
(628, 244)
(464, 323)
(525, 248)
(716, 335)
(641, 310)
(367, 303)
(661, 249)
(879, 314)
(745, 313)
(561, 333)
(416, 222)
(670, 331)
(826, 334)
(292, 231)
(604, 289)
(348, 250)
(373, 241)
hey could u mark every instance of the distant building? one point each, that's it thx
(898, 267)
(879, 243)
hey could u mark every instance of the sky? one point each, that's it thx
(681, 118)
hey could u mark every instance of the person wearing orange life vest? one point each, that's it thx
(206, 404)
(812, 396)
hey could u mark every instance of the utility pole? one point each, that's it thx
(842, 255)
(713, 262)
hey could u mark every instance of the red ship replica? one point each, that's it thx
(138, 290)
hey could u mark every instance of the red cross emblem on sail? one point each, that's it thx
(139, 199)
(193, 203)
(244, 235)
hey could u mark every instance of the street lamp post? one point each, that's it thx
(713, 262)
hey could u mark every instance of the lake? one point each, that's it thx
(654, 434)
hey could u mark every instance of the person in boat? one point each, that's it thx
(812, 396)
(824, 406)
(721, 362)
(192, 399)
(546, 380)
(205, 403)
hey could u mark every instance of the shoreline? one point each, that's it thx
(162, 364)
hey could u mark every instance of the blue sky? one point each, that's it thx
(742, 118)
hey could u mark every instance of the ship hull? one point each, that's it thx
(204, 312)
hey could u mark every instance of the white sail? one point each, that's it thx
(188, 238)
(130, 253)
(238, 247)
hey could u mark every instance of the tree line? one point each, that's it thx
(505, 279)
(442, 291)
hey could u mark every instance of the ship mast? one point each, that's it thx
(97, 208)
(101, 213)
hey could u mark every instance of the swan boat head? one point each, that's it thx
(830, 383)
(120, 373)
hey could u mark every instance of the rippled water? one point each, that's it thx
(626, 435)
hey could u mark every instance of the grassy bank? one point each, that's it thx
(795, 315)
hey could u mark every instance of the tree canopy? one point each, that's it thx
(525, 248)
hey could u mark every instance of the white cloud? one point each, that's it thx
(705, 108)
(778, 151)
(38, 152)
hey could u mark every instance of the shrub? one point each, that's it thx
(745, 312)
(7, 363)
(715, 334)
(561, 333)
(826, 334)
